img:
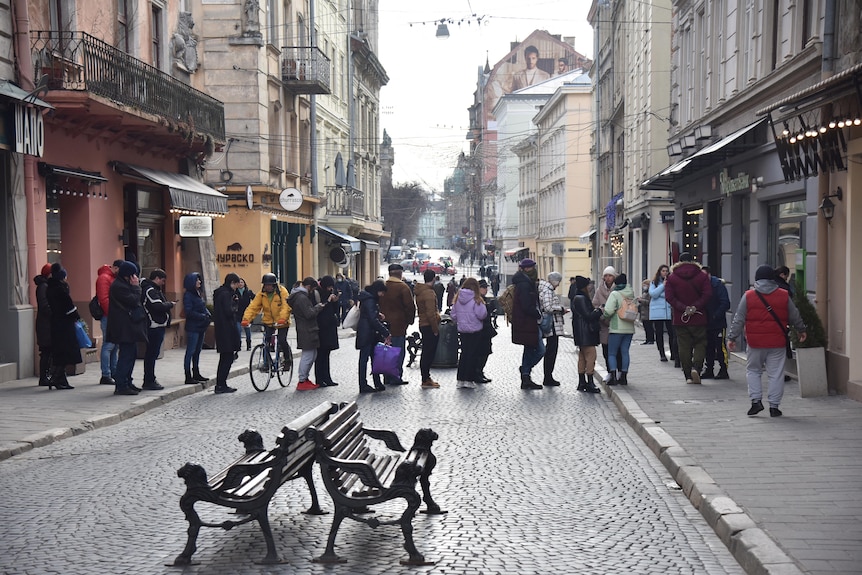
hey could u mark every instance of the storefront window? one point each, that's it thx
(52, 215)
(786, 233)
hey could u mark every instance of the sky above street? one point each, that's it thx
(432, 81)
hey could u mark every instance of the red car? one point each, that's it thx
(436, 267)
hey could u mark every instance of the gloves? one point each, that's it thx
(279, 325)
(244, 323)
(690, 310)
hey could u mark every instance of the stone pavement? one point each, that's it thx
(782, 493)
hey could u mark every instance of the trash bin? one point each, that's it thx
(447, 346)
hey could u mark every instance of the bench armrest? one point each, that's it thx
(359, 468)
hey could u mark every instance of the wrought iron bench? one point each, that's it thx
(357, 477)
(249, 483)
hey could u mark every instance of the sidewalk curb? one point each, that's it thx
(751, 546)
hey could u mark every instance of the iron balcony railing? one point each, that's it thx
(344, 201)
(306, 70)
(79, 61)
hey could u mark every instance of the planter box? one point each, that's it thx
(811, 371)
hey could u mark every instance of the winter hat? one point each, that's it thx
(609, 271)
(621, 280)
(483, 283)
(57, 271)
(127, 270)
(527, 263)
(685, 257)
(581, 282)
(46, 270)
(764, 273)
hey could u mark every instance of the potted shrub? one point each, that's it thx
(810, 354)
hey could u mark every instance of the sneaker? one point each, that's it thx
(306, 385)
(469, 385)
(459, 384)
(774, 412)
(551, 382)
(607, 377)
(154, 386)
(756, 407)
(695, 376)
(430, 384)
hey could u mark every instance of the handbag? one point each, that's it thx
(547, 325)
(385, 360)
(81, 335)
(789, 351)
(351, 320)
(96, 308)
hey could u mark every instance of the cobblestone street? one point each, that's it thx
(542, 482)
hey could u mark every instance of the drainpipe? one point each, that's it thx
(24, 59)
(821, 286)
(312, 139)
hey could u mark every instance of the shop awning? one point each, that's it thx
(188, 195)
(371, 245)
(354, 243)
(510, 253)
(587, 236)
(47, 170)
(739, 141)
(13, 92)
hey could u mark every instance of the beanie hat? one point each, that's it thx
(46, 270)
(685, 257)
(764, 273)
(57, 271)
(527, 263)
(621, 280)
(581, 282)
(609, 271)
(127, 270)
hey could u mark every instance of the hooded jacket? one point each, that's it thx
(761, 329)
(467, 313)
(104, 278)
(585, 320)
(426, 307)
(156, 304)
(329, 317)
(197, 316)
(305, 313)
(686, 286)
(718, 305)
(370, 329)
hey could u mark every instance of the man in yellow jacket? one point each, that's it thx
(272, 301)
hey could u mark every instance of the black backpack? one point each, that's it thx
(96, 308)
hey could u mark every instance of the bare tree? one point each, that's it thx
(401, 206)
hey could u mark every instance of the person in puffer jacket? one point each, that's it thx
(468, 311)
(766, 337)
(688, 291)
(620, 332)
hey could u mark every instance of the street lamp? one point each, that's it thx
(827, 206)
(442, 30)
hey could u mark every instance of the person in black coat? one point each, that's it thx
(585, 327)
(328, 321)
(43, 324)
(228, 342)
(127, 325)
(525, 320)
(369, 332)
(64, 314)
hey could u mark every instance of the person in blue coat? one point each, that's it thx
(198, 318)
(716, 329)
(370, 332)
(660, 314)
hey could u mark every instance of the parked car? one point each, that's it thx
(407, 265)
(436, 267)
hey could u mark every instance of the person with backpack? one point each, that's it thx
(620, 331)
(525, 320)
(158, 310)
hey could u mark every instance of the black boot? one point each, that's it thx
(722, 373)
(196, 375)
(623, 379)
(58, 378)
(248, 345)
(613, 380)
(550, 381)
(527, 383)
(662, 355)
(708, 373)
(582, 382)
(190, 380)
(591, 385)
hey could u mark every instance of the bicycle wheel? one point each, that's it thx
(284, 370)
(259, 368)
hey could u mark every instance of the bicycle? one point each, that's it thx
(268, 359)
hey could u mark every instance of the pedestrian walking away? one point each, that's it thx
(585, 330)
(228, 342)
(550, 306)
(370, 332)
(346, 296)
(762, 315)
(688, 290)
(468, 311)
(429, 324)
(198, 319)
(620, 331)
(525, 320)
(158, 310)
(64, 314)
(127, 325)
(108, 354)
(400, 310)
(716, 326)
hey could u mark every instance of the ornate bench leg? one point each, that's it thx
(406, 521)
(187, 505)
(309, 479)
(329, 555)
(271, 554)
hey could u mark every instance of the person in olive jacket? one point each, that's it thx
(585, 327)
(328, 321)
(64, 314)
(127, 325)
(228, 342)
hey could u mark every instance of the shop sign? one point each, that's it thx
(29, 131)
(667, 216)
(196, 226)
(729, 185)
(290, 199)
(233, 256)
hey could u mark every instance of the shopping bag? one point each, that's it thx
(351, 320)
(385, 360)
(81, 335)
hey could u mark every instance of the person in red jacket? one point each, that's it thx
(687, 290)
(109, 353)
(764, 312)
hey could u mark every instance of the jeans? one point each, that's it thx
(367, 353)
(429, 350)
(108, 355)
(247, 331)
(194, 345)
(399, 341)
(532, 356)
(772, 360)
(155, 337)
(619, 343)
(126, 355)
(306, 360)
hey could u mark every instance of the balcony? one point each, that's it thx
(305, 70)
(75, 62)
(344, 201)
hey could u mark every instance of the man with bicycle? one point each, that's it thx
(271, 300)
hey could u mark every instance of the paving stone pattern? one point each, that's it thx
(552, 481)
